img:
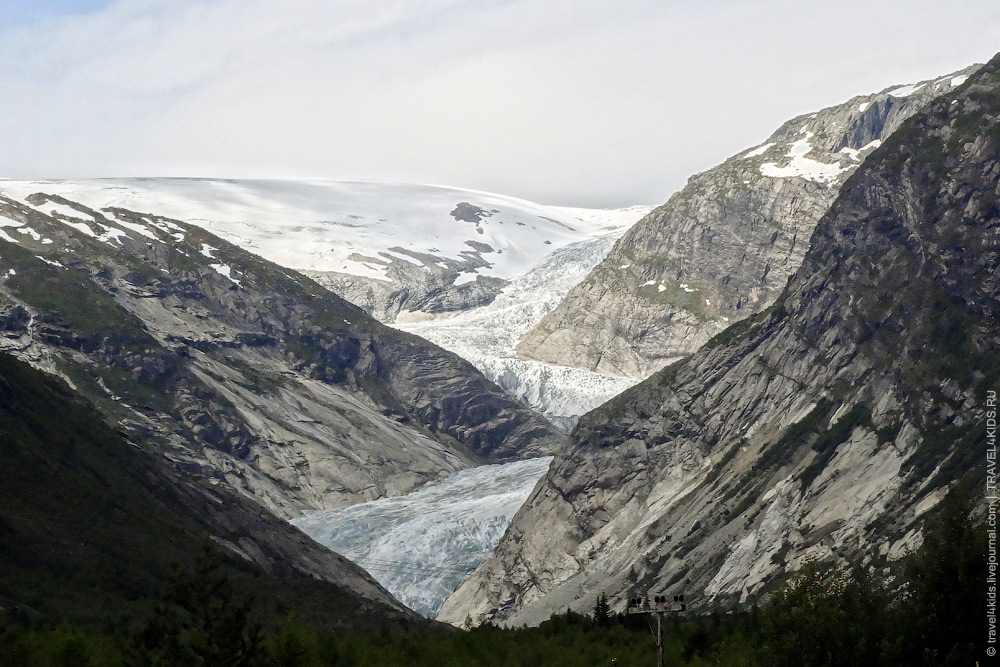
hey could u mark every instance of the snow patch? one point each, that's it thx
(52, 208)
(227, 271)
(465, 278)
(760, 150)
(135, 227)
(112, 234)
(959, 80)
(864, 106)
(850, 152)
(80, 227)
(50, 262)
(803, 167)
(903, 91)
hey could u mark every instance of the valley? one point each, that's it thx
(310, 422)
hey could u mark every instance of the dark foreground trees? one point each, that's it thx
(932, 612)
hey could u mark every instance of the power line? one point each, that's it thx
(659, 607)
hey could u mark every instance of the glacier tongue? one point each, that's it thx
(422, 545)
(487, 336)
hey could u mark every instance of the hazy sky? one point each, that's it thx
(574, 102)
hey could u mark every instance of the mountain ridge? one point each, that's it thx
(391, 248)
(91, 523)
(822, 428)
(722, 247)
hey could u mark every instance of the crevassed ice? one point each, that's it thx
(421, 546)
(487, 337)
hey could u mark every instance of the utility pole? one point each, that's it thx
(658, 607)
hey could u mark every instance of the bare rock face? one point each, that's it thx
(239, 370)
(723, 247)
(427, 290)
(824, 427)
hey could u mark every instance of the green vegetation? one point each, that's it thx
(930, 616)
(740, 330)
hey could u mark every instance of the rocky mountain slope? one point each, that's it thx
(90, 524)
(824, 427)
(243, 372)
(723, 247)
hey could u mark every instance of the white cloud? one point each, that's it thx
(583, 102)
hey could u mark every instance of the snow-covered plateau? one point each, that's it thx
(422, 545)
(353, 227)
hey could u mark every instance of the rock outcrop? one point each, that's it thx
(824, 427)
(723, 247)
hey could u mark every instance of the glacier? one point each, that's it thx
(487, 336)
(421, 546)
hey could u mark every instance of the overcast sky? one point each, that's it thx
(573, 102)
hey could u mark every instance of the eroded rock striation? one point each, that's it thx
(824, 427)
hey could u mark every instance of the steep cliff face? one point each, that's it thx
(723, 247)
(241, 370)
(823, 427)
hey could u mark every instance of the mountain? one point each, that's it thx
(440, 262)
(723, 247)
(90, 523)
(825, 427)
(241, 371)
